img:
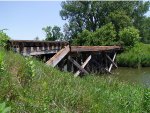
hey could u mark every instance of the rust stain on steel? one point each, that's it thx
(93, 48)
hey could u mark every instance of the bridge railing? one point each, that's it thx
(33, 47)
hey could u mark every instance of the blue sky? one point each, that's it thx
(25, 20)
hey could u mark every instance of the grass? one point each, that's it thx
(50, 90)
(137, 56)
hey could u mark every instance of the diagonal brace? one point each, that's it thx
(83, 65)
(112, 61)
(77, 65)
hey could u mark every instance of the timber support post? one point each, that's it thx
(112, 63)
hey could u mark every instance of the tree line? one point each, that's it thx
(102, 22)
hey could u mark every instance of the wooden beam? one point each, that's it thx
(83, 65)
(77, 65)
(93, 48)
(112, 61)
(108, 71)
(58, 56)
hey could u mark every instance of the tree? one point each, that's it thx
(120, 19)
(48, 31)
(146, 30)
(91, 15)
(67, 32)
(57, 34)
(53, 34)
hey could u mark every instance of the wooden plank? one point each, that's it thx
(77, 65)
(83, 65)
(112, 61)
(107, 71)
(58, 56)
(39, 53)
(93, 48)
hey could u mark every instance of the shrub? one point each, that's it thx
(106, 35)
(2, 54)
(3, 39)
(129, 36)
(3, 108)
(137, 56)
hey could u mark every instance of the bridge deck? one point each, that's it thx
(33, 47)
(93, 48)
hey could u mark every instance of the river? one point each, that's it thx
(133, 75)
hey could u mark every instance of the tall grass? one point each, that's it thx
(137, 56)
(50, 90)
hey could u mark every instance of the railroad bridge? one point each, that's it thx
(76, 59)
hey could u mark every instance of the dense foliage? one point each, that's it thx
(92, 15)
(3, 39)
(135, 57)
(53, 33)
(3, 108)
(129, 36)
(50, 90)
(105, 35)
(146, 30)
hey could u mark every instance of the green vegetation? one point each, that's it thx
(137, 56)
(129, 36)
(110, 23)
(3, 39)
(28, 85)
(145, 30)
(106, 35)
(92, 15)
(3, 108)
(53, 33)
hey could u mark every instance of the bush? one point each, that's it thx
(3, 108)
(2, 54)
(129, 36)
(3, 39)
(106, 35)
(137, 56)
(84, 38)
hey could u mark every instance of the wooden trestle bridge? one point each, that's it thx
(76, 59)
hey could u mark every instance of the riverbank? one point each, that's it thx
(28, 85)
(138, 56)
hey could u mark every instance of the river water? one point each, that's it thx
(133, 75)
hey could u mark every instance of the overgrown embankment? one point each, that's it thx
(28, 85)
(137, 56)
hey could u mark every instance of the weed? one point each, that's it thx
(31, 86)
(135, 57)
(3, 108)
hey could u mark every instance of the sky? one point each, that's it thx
(25, 20)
